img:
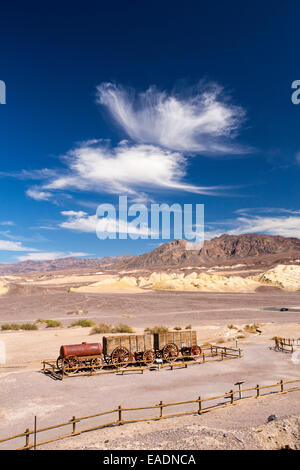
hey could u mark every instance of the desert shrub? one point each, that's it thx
(177, 328)
(83, 323)
(122, 328)
(29, 326)
(205, 345)
(157, 329)
(188, 327)
(251, 328)
(101, 328)
(232, 327)
(10, 326)
(52, 323)
(221, 341)
(49, 323)
(240, 336)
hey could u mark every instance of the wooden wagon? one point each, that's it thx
(170, 345)
(128, 348)
(124, 349)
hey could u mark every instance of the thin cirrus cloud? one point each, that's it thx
(203, 122)
(164, 131)
(130, 168)
(8, 245)
(49, 255)
(82, 222)
(38, 195)
(287, 225)
(7, 223)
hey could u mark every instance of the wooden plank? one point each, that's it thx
(135, 343)
(186, 338)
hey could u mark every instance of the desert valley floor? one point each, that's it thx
(140, 300)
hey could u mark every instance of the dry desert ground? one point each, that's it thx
(26, 392)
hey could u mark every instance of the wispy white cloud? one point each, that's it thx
(129, 168)
(49, 255)
(38, 195)
(7, 245)
(203, 121)
(7, 223)
(165, 129)
(82, 222)
(267, 210)
(278, 224)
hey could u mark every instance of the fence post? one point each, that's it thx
(27, 437)
(257, 391)
(120, 414)
(73, 421)
(34, 439)
(161, 409)
(281, 385)
(231, 396)
(200, 406)
(203, 357)
(240, 355)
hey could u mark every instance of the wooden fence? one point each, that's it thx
(286, 344)
(120, 413)
(213, 353)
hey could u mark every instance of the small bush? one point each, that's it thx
(205, 345)
(240, 336)
(83, 323)
(10, 326)
(52, 323)
(177, 328)
(221, 341)
(232, 327)
(251, 328)
(157, 329)
(101, 328)
(29, 326)
(188, 327)
(15, 326)
(49, 323)
(122, 328)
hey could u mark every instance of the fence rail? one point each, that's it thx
(286, 344)
(161, 406)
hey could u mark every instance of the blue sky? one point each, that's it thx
(160, 101)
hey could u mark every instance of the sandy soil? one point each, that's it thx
(28, 303)
(26, 392)
(243, 427)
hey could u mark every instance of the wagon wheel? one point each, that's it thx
(72, 363)
(68, 362)
(186, 352)
(96, 363)
(148, 356)
(195, 352)
(170, 352)
(120, 356)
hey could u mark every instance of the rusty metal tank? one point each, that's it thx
(83, 349)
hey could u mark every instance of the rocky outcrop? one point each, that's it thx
(249, 248)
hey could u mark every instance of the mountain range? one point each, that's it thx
(225, 249)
